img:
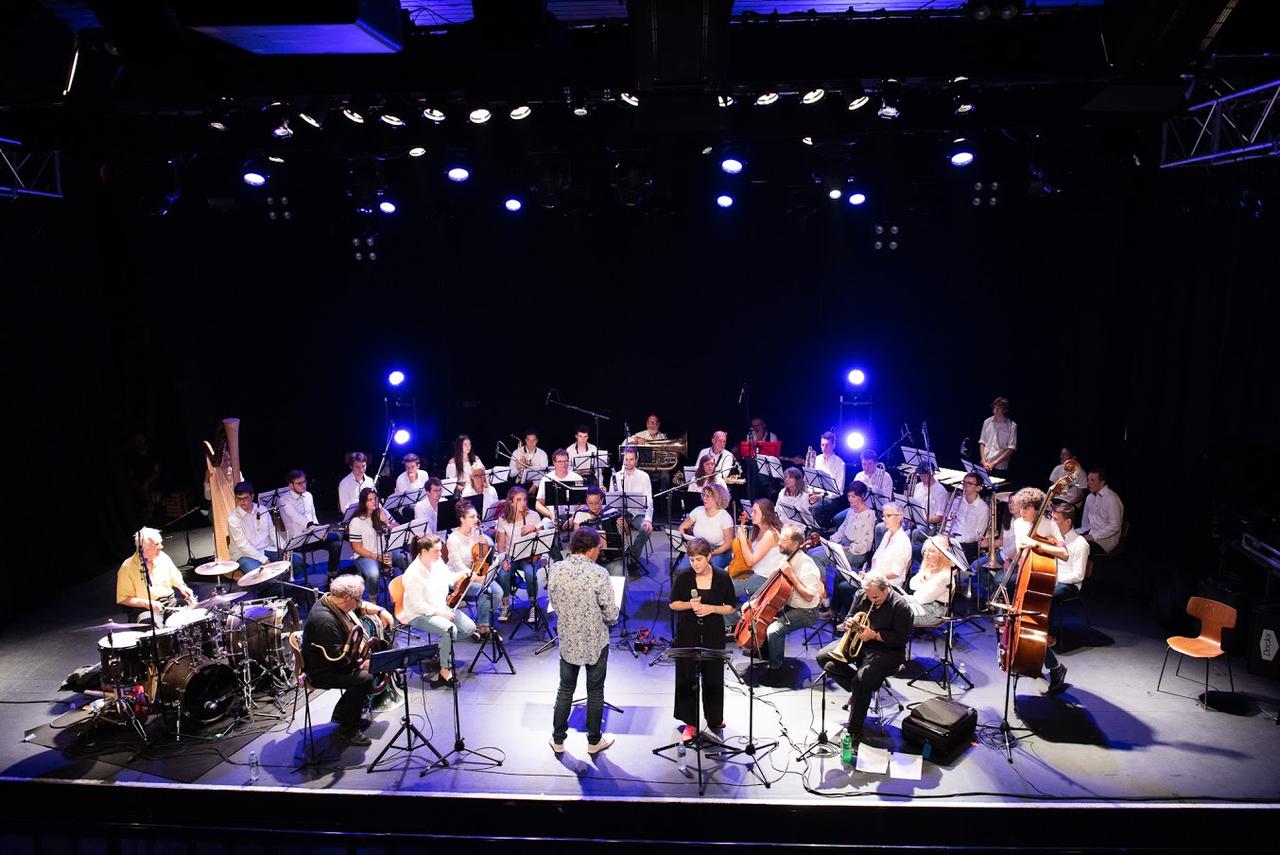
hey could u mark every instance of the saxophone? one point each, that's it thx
(850, 645)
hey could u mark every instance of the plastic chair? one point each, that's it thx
(1214, 617)
(395, 590)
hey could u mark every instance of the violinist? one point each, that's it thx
(461, 561)
(516, 521)
(595, 516)
(331, 652)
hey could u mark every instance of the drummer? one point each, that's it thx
(131, 589)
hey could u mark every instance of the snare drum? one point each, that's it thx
(122, 661)
(199, 632)
(260, 630)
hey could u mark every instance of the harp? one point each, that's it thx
(223, 469)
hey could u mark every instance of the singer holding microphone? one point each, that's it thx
(701, 597)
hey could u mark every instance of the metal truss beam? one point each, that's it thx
(29, 174)
(1240, 126)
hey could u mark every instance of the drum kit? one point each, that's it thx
(193, 662)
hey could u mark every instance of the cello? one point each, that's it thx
(764, 605)
(1025, 636)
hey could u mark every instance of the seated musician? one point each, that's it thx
(635, 481)
(527, 458)
(713, 523)
(877, 479)
(760, 431)
(801, 610)
(1103, 515)
(1071, 573)
(828, 511)
(985, 573)
(478, 485)
(561, 474)
(857, 537)
(652, 432)
(132, 582)
(426, 588)
(760, 552)
(596, 517)
(414, 477)
(884, 647)
(932, 499)
(1027, 500)
(251, 531)
(328, 640)
(582, 456)
(356, 480)
(931, 587)
(516, 521)
(724, 459)
(1075, 493)
(428, 507)
(463, 458)
(368, 531)
(461, 540)
(703, 474)
(893, 555)
(795, 496)
(972, 518)
(699, 593)
(298, 512)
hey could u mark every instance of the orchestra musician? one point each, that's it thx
(426, 588)
(356, 480)
(465, 536)
(595, 516)
(931, 587)
(527, 458)
(987, 577)
(331, 654)
(582, 454)
(1071, 573)
(857, 537)
(251, 531)
(516, 520)
(463, 458)
(414, 477)
(652, 432)
(760, 431)
(930, 496)
(704, 474)
(828, 512)
(760, 552)
(794, 495)
(367, 530)
(972, 518)
(699, 593)
(1075, 493)
(999, 438)
(877, 479)
(725, 461)
(478, 485)
(884, 647)
(712, 523)
(801, 610)
(161, 575)
(635, 481)
(298, 512)
(1103, 515)
(893, 555)
(428, 507)
(561, 474)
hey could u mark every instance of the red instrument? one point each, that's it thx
(764, 605)
(747, 448)
(1025, 637)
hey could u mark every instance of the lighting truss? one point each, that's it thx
(1240, 126)
(29, 173)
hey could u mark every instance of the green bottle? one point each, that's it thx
(846, 750)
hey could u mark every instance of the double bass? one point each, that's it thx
(1025, 636)
(764, 605)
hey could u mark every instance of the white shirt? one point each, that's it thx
(425, 589)
(1071, 570)
(537, 460)
(423, 511)
(893, 558)
(571, 478)
(635, 481)
(297, 509)
(648, 436)
(997, 436)
(972, 519)
(404, 485)
(451, 471)
(460, 549)
(711, 527)
(800, 500)
(768, 562)
(932, 500)
(1021, 528)
(858, 531)
(833, 466)
(512, 529)
(806, 570)
(932, 587)
(724, 462)
(1079, 485)
(349, 491)
(1102, 517)
(574, 452)
(880, 483)
(360, 530)
(250, 533)
(488, 500)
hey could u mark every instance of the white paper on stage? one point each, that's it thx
(907, 767)
(872, 760)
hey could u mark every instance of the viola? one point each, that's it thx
(480, 554)
(738, 567)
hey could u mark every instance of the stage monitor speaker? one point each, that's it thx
(290, 27)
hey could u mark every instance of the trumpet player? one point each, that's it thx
(878, 481)
(883, 636)
(527, 458)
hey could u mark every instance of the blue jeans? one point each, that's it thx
(788, 620)
(595, 697)
(743, 588)
(485, 601)
(331, 545)
(461, 622)
(507, 581)
(371, 571)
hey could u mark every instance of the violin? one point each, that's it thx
(480, 554)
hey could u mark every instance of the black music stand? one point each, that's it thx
(800, 515)
(532, 547)
(401, 501)
(629, 505)
(702, 740)
(754, 750)
(308, 537)
(946, 666)
(398, 662)
(491, 647)
(459, 744)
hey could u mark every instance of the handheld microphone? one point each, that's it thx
(693, 595)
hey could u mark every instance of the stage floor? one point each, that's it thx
(1109, 739)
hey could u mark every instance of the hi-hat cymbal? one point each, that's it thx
(221, 600)
(217, 568)
(265, 573)
(111, 626)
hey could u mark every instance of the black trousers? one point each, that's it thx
(863, 678)
(355, 693)
(712, 691)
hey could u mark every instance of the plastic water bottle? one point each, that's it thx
(255, 768)
(682, 757)
(846, 750)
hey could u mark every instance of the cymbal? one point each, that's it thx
(111, 626)
(265, 573)
(217, 568)
(220, 600)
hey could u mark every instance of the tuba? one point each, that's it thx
(660, 455)
(223, 470)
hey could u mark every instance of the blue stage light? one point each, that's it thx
(857, 377)
(386, 206)
(401, 436)
(254, 179)
(731, 165)
(513, 204)
(395, 378)
(960, 152)
(857, 198)
(854, 440)
(724, 200)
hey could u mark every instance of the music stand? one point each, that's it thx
(349, 513)
(591, 463)
(531, 547)
(493, 640)
(701, 740)
(629, 505)
(398, 661)
(459, 744)
(911, 510)
(407, 499)
(835, 552)
(800, 515)
(451, 488)
(402, 535)
(308, 537)
(769, 465)
(984, 476)
(490, 515)
(914, 457)
(499, 475)
(946, 666)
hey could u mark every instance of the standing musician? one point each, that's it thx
(414, 477)
(713, 524)
(298, 511)
(794, 494)
(478, 485)
(583, 448)
(652, 432)
(760, 552)
(801, 610)
(699, 593)
(1075, 493)
(428, 507)
(857, 536)
(527, 458)
(828, 510)
(250, 530)
(465, 536)
(356, 480)
(332, 653)
(877, 479)
(463, 458)
(704, 474)
(516, 520)
(632, 480)
(972, 518)
(131, 580)
(1103, 515)
(884, 647)
(999, 438)
(596, 517)
(931, 587)
(426, 588)
(893, 556)
(368, 528)
(723, 457)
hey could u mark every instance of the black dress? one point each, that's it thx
(706, 632)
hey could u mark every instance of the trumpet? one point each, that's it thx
(850, 645)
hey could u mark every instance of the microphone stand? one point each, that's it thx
(386, 449)
(592, 413)
(155, 646)
(459, 744)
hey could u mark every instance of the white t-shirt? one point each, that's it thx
(972, 519)
(798, 501)
(571, 478)
(451, 471)
(711, 528)
(636, 481)
(806, 570)
(404, 485)
(512, 529)
(880, 483)
(361, 530)
(931, 587)
(997, 436)
(932, 499)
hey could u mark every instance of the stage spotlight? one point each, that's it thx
(724, 200)
(579, 107)
(855, 98)
(807, 140)
(513, 204)
(1009, 11)
(725, 100)
(889, 99)
(521, 112)
(857, 198)
(479, 116)
(960, 152)
(253, 178)
(961, 98)
(433, 114)
(255, 172)
(218, 125)
(834, 193)
(391, 119)
(458, 174)
(386, 206)
(813, 95)
(731, 165)
(395, 378)
(417, 151)
(629, 99)
(980, 11)
(856, 377)
(353, 116)
(854, 440)
(764, 99)
(311, 120)
(401, 436)
(282, 131)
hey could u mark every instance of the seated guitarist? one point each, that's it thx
(884, 646)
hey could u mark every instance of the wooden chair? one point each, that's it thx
(1214, 617)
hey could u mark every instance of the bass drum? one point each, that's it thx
(260, 631)
(202, 690)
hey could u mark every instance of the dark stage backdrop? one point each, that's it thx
(1119, 318)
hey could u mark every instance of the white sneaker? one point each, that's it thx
(533, 615)
(557, 747)
(504, 613)
(605, 741)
